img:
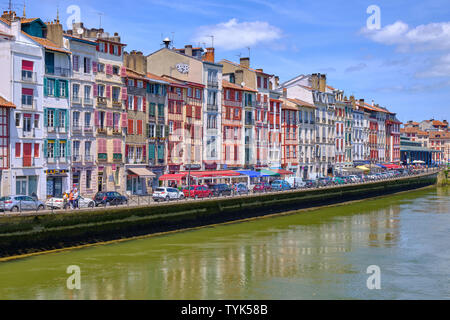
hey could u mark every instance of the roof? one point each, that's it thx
(135, 75)
(88, 41)
(302, 103)
(248, 68)
(5, 103)
(182, 82)
(227, 84)
(439, 123)
(47, 44)
(155, 78)
(5, 21)
(439, 135)
(25, 20)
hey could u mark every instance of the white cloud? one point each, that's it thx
(439, 67)
(357, 67)
(430, 36)
(233, 35)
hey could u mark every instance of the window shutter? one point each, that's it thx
(135, 103)
(45, 149)
(108, 91)
(126, 151)
(125, 94)
(45, 118)
(144, 104)
(139, 127)
(96, 119)
(68, 149)
(88, 65)
(36, 150)
(109, 119)
(75, 63)
(120, 50)
(95, 93)
(111, 48)
(124, 120)
(130, 126)
(18, 150)
(151, 151)
(94, 67)
(56, 152)
(45, 87)
(56, 115)
(123, 71)
(67, 119)
(56, 88)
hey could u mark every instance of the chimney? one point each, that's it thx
(260, 70)
(9, 15)
(361, 101)
(323, 83)
(135, 61)
(209, 55)
(277, 81)
(188, 50)
(315, 81)
(55, 33)
(245, 62)
(285, 93)
(239, 77)
(373, 103)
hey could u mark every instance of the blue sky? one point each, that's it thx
(404, 66)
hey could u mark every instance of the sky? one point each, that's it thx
(401, 60)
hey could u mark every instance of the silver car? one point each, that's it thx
(167, 194)
(20, 203)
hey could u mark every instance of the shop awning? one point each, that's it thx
(268, 173)
(251, 174)
(172, 177)
(380, 165)
(392, 166)
(364, 168)
(142, 172)
(283, 172)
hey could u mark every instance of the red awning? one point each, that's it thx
(392, 166)
(282, 172)
(172, 177)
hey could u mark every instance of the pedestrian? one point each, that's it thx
(76, 198)
(65, 199)
(71, 199)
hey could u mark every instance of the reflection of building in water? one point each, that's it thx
(384, 226)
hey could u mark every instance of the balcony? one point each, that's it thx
(117, 131)
(88, 102)
(101, 130)
(29, 76)
(249, 122)
(88, 158)
(213, 83)
(76, 100)
(76, 158)
(212, 107)
(102, 157)
(117, 104)
(117, 157)
(87, 129)
(30, 105)
(76, 128)
(57, 71)
(50, 129)
(102, 100)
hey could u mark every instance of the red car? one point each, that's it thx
(197, 192)
(262, 187)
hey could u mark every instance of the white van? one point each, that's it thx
(295, 182)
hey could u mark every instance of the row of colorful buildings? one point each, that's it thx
(78, 110)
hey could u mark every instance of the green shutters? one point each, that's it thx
(56, 151)
(160, 152)
(56, 118)
(68, 149)
(152, 109)
(160, 110)
(45, 149)
(67, 118)
(46, 118)
(151, 151)
(158, 131)
(56, 93)
(45, 87)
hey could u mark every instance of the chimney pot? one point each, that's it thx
(245, 62)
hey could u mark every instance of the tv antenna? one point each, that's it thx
(248, 52)
(100, 19)
(212, 41)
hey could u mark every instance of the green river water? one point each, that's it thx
(321, 254)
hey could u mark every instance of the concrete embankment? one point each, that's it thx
(21, 235)
(443, 178)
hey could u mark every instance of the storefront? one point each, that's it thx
(57, 183)
(137, 181)
(26, 185)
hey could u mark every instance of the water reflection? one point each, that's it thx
(277, 258)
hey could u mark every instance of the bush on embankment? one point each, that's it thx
(26, 234)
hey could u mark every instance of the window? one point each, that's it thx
(88, 179)
(87, 148)
(76, 120)
(161, 131)
(198, 94)
(116, 70)
(130, 102)
(140, 104)
(18, 116)
(75, 90)
(36, 121)
(62, 149)
(138, 153)
(87, 119)
(116, 121)
(228, 94)
(116, 93)
(102, 47)
(27, 69)
(50, 87)
(160, 110)
(87, 92)
(50, 149)
(50, 118)
(101, 67)
(62, 118)
(87, 65)
(27, 97)
(62, 88)
(76, 148)
(151, 130)
(140, 84)
(101, 90)
(170, 127)
(189, 92)
(130, 82)
(236, 95)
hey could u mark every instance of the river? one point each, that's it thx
(320, 254)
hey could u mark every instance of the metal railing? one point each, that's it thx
(29, 76)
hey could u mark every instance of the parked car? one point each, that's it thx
(58, 203)
(167, 194)
(310, 184)
(262, 187)
(338, 180)
(241, 188)
(280, 185)
(324, 182)
(20, 203)
(219, 190)
(197, 192)
(110, 198)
